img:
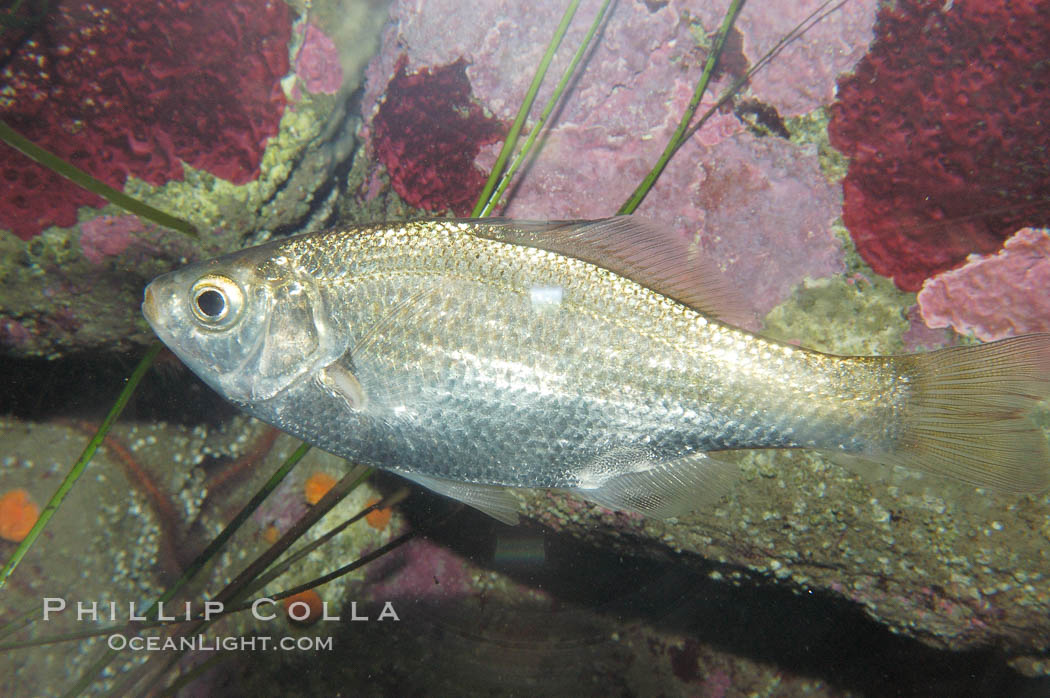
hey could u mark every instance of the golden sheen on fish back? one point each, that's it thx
(594, 356)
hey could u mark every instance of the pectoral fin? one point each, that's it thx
(340, 381)
(489, 499)
(671, 488)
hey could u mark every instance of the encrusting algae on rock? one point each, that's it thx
(18, 515)
(317, 486)
(378, 518)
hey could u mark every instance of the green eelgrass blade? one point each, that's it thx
(547, 110)
(279, 568)
(78, 468)
(639, 194)
(526, 105)
(78, 176)
(17, 623)
(201, 560)
(246, 511)
(368, 557)
(811, 20)
(243, 606)
(234, 592)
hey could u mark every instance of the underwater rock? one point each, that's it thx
(950, 159)
(106, 542)
(652, 46)
(954, 568)
(108, 236)
(994, 296)
(922, 337)
(421, 571)
(818, 310)
(317, 63)
(623, 107)
(78, 288)
(941, 562)
(765, 212)
(427, 132)
(149, 501)
(137, 89)
(802, 76)
(472, 626)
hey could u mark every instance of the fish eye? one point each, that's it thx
(217, 300)
(211, 303)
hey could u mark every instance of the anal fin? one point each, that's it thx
(671, 488)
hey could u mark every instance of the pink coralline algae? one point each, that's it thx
(107, 236)
(764, 211)
(647, 43)
(759, 206)
(802, 76)
(716, 684)
(317, 62)
(13, 333)
(995, 296)
(921, 337)
(427, 132)
(421, 571)
(127, 88)
(944, 122)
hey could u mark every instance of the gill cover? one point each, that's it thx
(293, 341)
(247, 334)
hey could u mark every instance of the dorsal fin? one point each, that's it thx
(633, 248)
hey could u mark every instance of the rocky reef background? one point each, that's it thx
(879, 187)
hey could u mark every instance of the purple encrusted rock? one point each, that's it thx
(108, 236)
(759, 206)
(317, 63)
(994, 296)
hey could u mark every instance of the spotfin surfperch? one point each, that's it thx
(593, 356)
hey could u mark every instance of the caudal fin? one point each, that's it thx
(967, 414)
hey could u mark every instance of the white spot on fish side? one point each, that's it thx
(545, 298)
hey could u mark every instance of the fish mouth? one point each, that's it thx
(149, 307)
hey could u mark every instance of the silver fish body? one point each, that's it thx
(473, 354)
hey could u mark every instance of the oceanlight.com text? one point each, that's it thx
(228, 643)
